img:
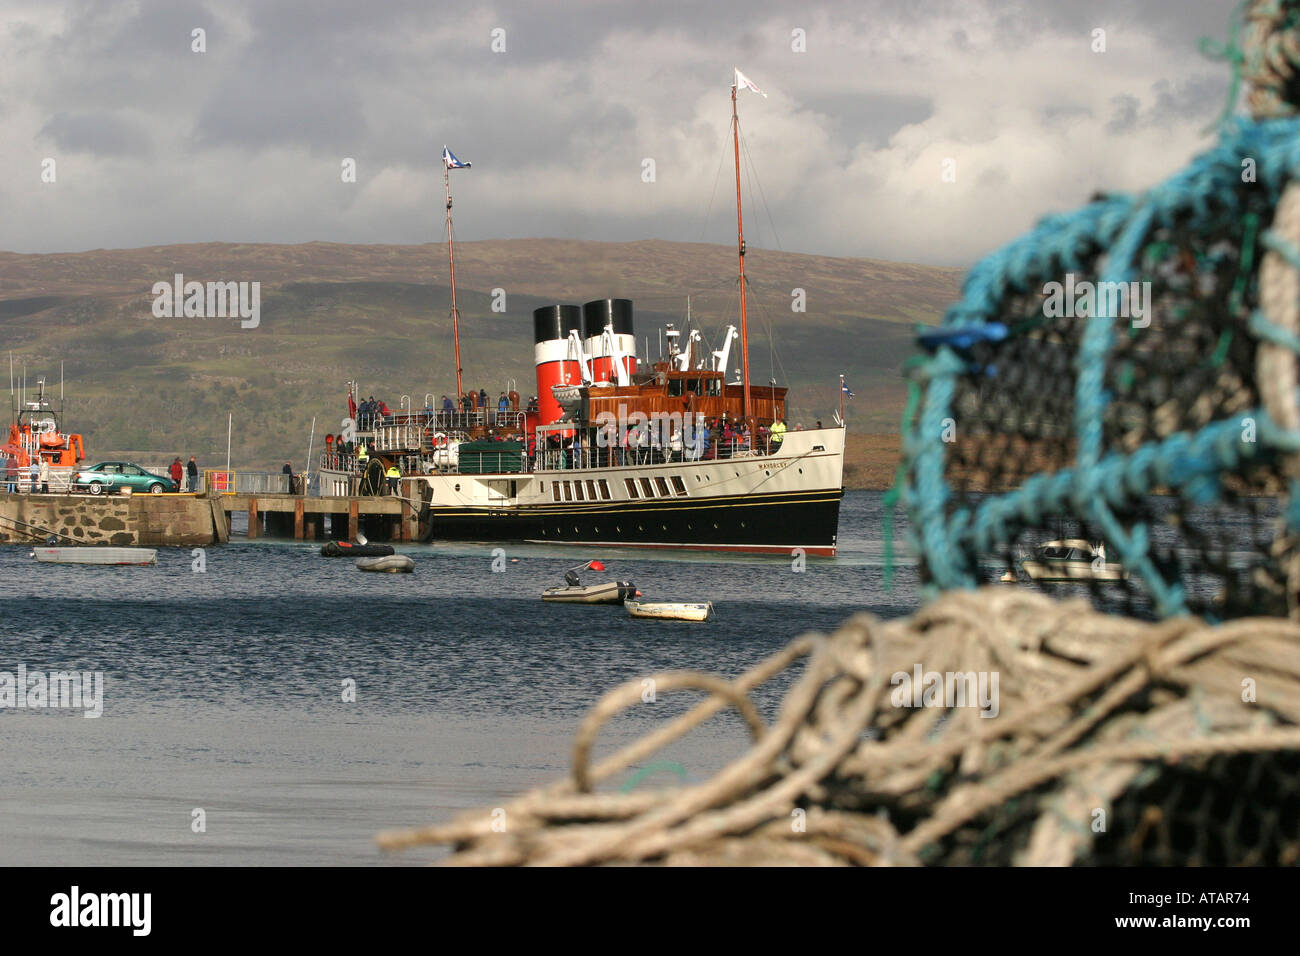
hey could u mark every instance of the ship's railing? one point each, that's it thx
(400, 437)
(333, 461)
(440, 420)
(632, 454)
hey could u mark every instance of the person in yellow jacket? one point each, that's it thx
(363, 455)
(778, 432)
(393, 474)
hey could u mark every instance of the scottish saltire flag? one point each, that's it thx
(844, 387)
(451, 162)
(744, 83)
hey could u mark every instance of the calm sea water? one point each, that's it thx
(224, 688)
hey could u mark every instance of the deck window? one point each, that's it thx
(568, 491)
(631, 487)
(679, 486)
(662, 487)
(604, 490)
(646, 490)
(591, 490)
(577, 490)
(555, 490)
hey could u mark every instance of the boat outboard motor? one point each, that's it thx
(571, 579)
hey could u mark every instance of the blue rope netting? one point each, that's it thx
(1166, 407)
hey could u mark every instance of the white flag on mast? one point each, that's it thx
(744, 83)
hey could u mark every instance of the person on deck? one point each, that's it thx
(45, 476)
(394, 475)
(33, 474)
(11, 474)
(778, 433)
(192, 472)
(503, 406)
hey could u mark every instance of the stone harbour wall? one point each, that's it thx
(177, 520)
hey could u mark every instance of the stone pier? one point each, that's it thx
(150, 520)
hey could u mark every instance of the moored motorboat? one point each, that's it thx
(609, 592)
(1069, 560)
(575, 592)
(91, 554)
(670, 611)
(392, 564)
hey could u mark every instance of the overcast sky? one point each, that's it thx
(154, 143)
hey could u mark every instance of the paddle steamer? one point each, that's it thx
(615, 451)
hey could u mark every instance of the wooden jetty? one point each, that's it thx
(304, 517)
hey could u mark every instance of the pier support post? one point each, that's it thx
(254, 520)
(406, 520)
(297, 519)
(354, 511)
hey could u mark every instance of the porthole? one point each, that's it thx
(458, 487)
(742, 524)
(640, 527)
(595, 530)
(715, 526)
(768, 473)
(664, 527)
(618, 528)
(575, 529)
(689, 526)
(801, 471)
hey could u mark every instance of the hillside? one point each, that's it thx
(379, 314)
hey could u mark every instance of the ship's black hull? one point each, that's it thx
(775, 523)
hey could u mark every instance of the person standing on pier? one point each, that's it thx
(177, 472)
(192, 470)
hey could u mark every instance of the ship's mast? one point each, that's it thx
(451, 263)
(740, 239)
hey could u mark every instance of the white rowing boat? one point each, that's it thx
(94, 555)
(392, 564)
(670, 611)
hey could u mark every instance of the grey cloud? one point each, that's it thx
(1125, 115)
(101, 134)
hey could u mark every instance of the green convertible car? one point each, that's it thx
(110, 476)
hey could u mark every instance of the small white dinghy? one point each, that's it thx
(392, 564)
(670, 611)
(94, 555)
